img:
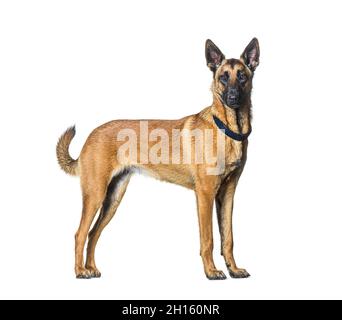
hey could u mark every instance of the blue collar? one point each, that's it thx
(230, 133)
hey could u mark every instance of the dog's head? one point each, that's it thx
(232, 77)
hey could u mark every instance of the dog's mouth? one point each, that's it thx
(233, 105)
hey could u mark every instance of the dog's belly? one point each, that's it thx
(177, 174)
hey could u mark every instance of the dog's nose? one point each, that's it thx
(233, 94)
(232, 97)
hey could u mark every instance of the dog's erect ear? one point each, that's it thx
(213, 55)
(251, 54)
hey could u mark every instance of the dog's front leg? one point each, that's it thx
(224, 206)
(205, 201)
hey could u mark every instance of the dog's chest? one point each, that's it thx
(234, 155)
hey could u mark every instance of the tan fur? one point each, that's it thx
(68, 164)
(98, 164)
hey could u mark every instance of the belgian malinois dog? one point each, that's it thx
(105, 173)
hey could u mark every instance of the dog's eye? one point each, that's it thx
(224, 78)
(242, 77)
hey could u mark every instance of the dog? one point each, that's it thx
(104, 177)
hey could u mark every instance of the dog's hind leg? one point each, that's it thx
(115, 191)
(92, 200)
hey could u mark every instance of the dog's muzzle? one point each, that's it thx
(232, 98)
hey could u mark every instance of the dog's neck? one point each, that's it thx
(238, 120)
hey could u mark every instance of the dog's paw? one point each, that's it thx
(216, 275)
(94, 272)
(83, 274)
(238, 273)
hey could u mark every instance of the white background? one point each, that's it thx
(87, 62)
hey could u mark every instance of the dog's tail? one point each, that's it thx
(68, 164)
